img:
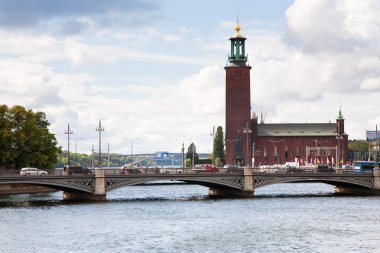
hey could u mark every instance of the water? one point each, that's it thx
(181, 218)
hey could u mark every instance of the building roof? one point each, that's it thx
(297, 129)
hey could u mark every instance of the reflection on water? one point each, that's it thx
(181, 218)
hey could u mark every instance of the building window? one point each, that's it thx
(265, 152)
(298, 150)
(275, 151)
(286, 153)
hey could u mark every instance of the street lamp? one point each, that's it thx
(338, 137)
(183, 151)
(247, 131)
(213, 140)
(76, 144)
(253, 154)
(100, 129)
(68, 132)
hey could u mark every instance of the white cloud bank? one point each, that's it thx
(328, 55)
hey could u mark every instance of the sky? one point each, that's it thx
(153, 71)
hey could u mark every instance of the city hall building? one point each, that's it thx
(248, 141)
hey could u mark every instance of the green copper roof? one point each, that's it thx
(297, 129)
(340, 116)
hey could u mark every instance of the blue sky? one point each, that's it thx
(153, 70)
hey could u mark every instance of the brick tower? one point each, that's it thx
(238, 103)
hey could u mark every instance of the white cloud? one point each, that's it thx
(328, 55)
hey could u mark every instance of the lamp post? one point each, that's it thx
(213, 140)
(76, 144)
(338, 155)
(183, 151)
(68, 132)
(100, 129)
(253, 154)
(247, 131)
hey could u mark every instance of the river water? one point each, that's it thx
(181, 218)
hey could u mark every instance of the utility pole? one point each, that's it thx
(183, 154)
(108, 155)
(92, 156)
(100, 129)
(213, 148)
(68, 132)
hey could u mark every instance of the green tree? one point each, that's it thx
(219, 146)
(189, 155)
(29, 142)
(5, 137)
(359, 146)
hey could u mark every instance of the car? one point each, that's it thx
(269, 169)
(130, 170)
(28, 171)
(76, 169)
(324, 168)
(206, 168)
(234, 169)
(169, 170)
(292, 169)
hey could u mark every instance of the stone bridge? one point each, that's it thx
(95, 187)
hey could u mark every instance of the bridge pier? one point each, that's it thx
(213, 192)
(347, 190)
(247, 191)
(74, 196)
(99, 191)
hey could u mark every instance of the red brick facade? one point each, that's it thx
(238, 113)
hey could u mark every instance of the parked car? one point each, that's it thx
(324, 168)
(32, 172)
(233, 169)
(76, 169)
(130, 170)
(206, 168)
(294, 170)
(269, 169)
(169, 170)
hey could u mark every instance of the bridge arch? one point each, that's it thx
(352, 182)
(75, 185)
(232, 182)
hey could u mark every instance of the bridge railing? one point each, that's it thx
(178, 171)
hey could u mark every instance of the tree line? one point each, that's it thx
(25, 140)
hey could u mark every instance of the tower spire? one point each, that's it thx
(340, 116)
(237, 27)
(238, 55)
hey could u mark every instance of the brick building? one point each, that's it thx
(248, 141)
